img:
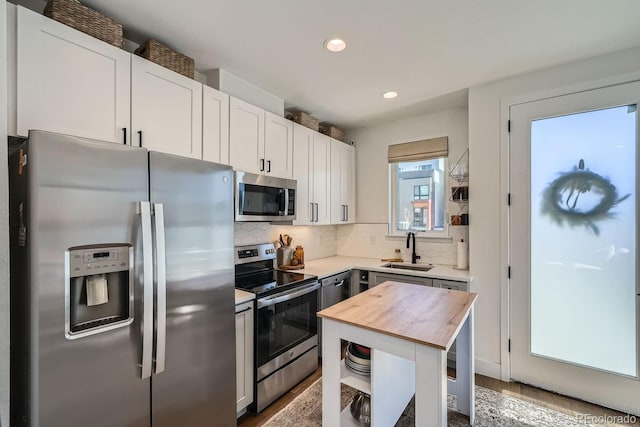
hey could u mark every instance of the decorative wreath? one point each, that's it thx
(577, 182)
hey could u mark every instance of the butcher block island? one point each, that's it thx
(409, 328)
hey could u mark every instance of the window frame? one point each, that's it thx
(419, 195)
(392, 217)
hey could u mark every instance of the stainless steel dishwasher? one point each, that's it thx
(334, 289)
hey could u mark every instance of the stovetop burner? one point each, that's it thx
(254, 271)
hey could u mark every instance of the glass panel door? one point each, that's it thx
(583, 238)
(573, 233)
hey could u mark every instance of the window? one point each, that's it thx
(417, 182)
(419, 217)
(420, 192)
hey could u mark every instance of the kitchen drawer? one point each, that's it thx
(375, 278)
(450, 284)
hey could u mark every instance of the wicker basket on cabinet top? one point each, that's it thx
(304, 119)
(82, 18)
(162, 55)
(332, 131)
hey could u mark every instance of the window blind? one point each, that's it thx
(425, 149)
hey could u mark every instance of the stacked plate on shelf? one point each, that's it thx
(357, 358)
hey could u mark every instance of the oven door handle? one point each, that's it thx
(286, 296)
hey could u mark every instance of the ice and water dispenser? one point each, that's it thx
(99, 288)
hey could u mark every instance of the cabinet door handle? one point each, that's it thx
(139, 138)
(346, 209)
(312, 211)
(268, 165)
(316, 211)
(261, 165)
(242, 311)
(124, 133)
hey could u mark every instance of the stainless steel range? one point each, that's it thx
(286, 327)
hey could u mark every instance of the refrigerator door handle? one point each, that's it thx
(147, 289)
(161, 289)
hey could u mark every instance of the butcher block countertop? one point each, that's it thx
(422, 314)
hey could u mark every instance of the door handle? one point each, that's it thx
(242, 311)
(161, 289)
(261, 165)
(316, 212)
(346, 209)
(139, 138)
(312, 211)
(147, 290)
(124, 134)
(268, 165)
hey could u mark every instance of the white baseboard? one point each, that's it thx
(488, 369)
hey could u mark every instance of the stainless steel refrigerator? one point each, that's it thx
(122, 307)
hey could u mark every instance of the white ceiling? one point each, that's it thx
(429, 51)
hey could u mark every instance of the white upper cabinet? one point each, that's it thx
(302, 173)
(342, 183)
(321, 177)
(278, 146)
(166, 110)
(311, 157)
(246, 136)
(215, 125)
(70, 82)
(259, 141)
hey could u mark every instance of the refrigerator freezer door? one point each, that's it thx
(80, 192)
(197, 386)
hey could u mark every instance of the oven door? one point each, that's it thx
(286, 320)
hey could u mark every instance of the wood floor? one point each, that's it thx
(563, 404)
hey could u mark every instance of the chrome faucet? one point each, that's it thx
(414, 257)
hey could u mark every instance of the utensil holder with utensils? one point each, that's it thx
(284, 255)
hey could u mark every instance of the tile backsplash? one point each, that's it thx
(359, 240)
(318, 241)
(371, 241)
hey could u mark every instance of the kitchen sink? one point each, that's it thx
(415, 267)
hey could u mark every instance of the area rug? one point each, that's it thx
(493, 409)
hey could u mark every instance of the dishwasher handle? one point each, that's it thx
(336, 279)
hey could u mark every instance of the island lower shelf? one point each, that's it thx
(354, 380)
(346, 419)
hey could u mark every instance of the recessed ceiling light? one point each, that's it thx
(335, 45)
(389, 95)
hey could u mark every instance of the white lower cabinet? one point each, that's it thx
(166, 110)
(375, 278)
(244, 355)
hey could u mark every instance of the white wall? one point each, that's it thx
(369, 236)
(488, 139)
(372, 176)
(4, 235)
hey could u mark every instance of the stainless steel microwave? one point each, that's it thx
(264, 198)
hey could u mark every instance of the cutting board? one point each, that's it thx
(291, 267)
